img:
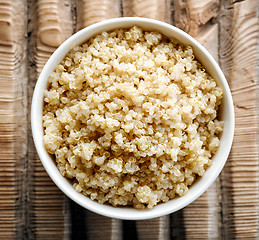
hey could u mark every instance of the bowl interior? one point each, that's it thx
(226, 114)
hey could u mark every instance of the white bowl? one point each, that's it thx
(227, 115)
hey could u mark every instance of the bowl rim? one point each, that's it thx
(63, 184)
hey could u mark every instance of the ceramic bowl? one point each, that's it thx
(226, 114)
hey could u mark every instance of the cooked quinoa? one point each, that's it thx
(130, 118)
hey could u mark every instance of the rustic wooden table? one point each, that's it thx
(31, 206)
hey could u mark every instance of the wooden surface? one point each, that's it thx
(31, 206)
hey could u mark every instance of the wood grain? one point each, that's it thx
(156, 9)
(103, 228)
(13, 118)
(51, 24)
(93, 11)
(202, 217)
(193, 15)
(238, 59)
(157, 229)
(54, 27)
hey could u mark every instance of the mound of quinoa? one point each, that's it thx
(130, 118)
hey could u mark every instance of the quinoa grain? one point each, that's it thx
(130, 118)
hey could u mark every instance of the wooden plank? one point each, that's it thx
(156, 229)
(103, 228)
(54, 27)
(93, 11)
(238, 56)
(89, 12)
(13, 119)
(193, 15)
(156, 9)
(197, 18)
(50, 24)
